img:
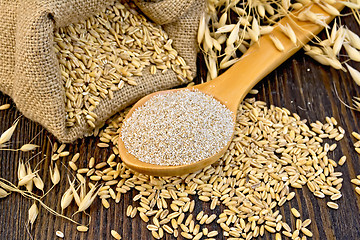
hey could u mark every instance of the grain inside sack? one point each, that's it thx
(98, 56)
(80, 62)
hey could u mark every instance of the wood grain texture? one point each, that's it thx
(300, 84)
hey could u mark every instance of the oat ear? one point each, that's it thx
(74, 192)
(5, 136)
(33, 213)
(88, 199)
(3, 193)
(66, 199)
(355, 74)
(56, 175)
(28, 147)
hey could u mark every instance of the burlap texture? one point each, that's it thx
(29, 69)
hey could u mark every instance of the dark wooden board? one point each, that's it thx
(300, 84)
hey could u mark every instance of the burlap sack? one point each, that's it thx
(29, 69)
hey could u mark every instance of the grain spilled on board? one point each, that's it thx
(5, 106)
(82, 228)
(166, 203)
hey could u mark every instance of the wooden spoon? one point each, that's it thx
(231, 87)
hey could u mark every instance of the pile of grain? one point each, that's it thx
(103, 53)
(272, 152)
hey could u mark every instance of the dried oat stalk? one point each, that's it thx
(229, 28)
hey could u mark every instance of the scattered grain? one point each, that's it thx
(5, 106)
(105, 203)
(115, 235)
(82, 228)
(59, 234)
(295, 212)
(306, 231)
(342, 160)
(332, 205)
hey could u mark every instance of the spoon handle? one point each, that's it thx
(262, 58)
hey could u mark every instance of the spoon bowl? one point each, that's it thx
(161, 170)
(231, 87)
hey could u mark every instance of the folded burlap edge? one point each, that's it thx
(165, 11)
